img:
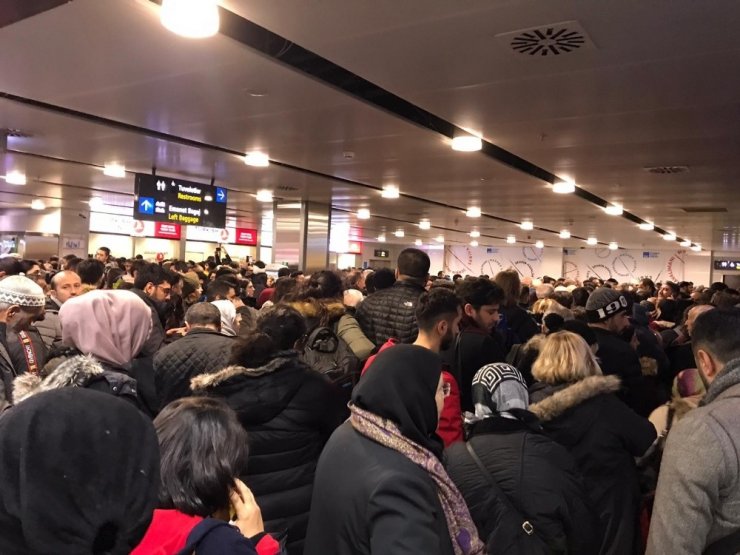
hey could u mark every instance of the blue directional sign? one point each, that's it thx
(146, 205)
(220, 194)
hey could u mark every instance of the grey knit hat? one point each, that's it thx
(21, 291)
(604, 303)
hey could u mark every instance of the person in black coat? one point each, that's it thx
(380, 486)
(520, 325)
(579, 409)
(289, 412)
(538, 476)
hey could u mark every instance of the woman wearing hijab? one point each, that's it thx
(579, 408)
(380, 485)
(538, 476)
(78, 474)
(105, 330)
(229, 324)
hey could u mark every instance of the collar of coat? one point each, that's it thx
(325, 310)
(729, 376)
(76, 371)
(573, 395)
(208, 381)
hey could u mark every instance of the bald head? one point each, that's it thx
(693, 314)
(65, 285)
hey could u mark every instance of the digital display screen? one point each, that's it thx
(727, 264)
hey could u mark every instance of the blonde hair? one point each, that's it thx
(564, 357)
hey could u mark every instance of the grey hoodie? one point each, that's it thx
(698, 497)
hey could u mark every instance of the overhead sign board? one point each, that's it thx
(167, 231)
(381, 253)
(727, 264)
(166, 199)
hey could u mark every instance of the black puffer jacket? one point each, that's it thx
(289, 412)
(538, 476)
(391, 313)
(604, 436)
(200, 351)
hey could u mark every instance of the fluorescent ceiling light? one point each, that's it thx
(540, 244)
(647, 226)
(418, 242)
(685, 243)
(114, 170)
(193, 19)
(390, 191)
(381, 238)
(425, 224)
(511, 239)
(592, 241)
(669, 236)
(565, 234)
(473, 212)
(96, 203)
(37, 204)
(399, 233)
(467, 143)
(264, 195)
(614, 209)
(475, 234)
(439, 239)
(363, 214)
(527, 225)
(473, 243)
(696, 248)
(613, 246)
(15, 178)
(563, 187)
(257, 159)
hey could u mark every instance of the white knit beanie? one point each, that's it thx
(21, 291)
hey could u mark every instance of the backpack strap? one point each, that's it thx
(29, 352)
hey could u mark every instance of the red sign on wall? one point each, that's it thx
(246, 236)
(164, 230)
(354, 248)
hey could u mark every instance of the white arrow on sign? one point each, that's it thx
(146, 205)
(220, 195)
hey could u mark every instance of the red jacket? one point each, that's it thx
(170, 532)
(450, 427)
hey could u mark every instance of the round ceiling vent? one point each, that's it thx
(548, 41)
(665, 170)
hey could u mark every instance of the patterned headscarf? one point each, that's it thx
(498, 388)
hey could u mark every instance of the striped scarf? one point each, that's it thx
(462, 530)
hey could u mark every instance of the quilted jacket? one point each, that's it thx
(200, 351)
(391, 313)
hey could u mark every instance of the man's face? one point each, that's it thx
(21, 318)
(451, 332)
(100, 255)
(158, 293)
(618, 323)
(486, 316)
(66, 286)
(665, 292)
(231, 295)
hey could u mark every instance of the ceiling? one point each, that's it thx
(374, 96)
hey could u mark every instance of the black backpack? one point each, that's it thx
(330, 355)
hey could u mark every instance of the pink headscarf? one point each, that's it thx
(111, 325)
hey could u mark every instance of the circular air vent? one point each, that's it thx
(548, 41)
(664, 170)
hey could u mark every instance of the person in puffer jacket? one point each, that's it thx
(392, 312)
(289, 412)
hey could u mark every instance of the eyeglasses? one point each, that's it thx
(165, 290)
(446, 389)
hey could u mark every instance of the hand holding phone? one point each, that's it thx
(248, 515)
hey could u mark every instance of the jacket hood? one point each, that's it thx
(560, 400)
(728, 377)
(72, 372)
(324, 310)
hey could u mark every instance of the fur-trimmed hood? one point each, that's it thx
(558, 400)
(325, 311)
(209, 381)
(76, 371)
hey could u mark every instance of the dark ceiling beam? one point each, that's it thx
(13, 11)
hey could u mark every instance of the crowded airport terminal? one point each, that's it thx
(323, 277)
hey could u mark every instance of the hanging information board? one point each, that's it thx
(166, 199)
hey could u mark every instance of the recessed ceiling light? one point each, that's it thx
(696, 248)
(473, 243)
(399, 233)
(114, 170)
(540, 244)
(390, 191)
(439, 239)
(425, 224)
(473, 212)
(613, 246)
(511, 239)
(647, 226)
(381, 238)
(96, 203)
(592, 241)
(669, 236)
(418, 242)
(15, 178)
(193, 19)
(527, 225)
(257, 159)
(614, 209)
(563, 187)
(264, 195)
(37, 204)
(686, 243)
(475, 234)
(467, 143)
(565, 234)
(363, 214)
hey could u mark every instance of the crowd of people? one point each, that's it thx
(212, 408)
